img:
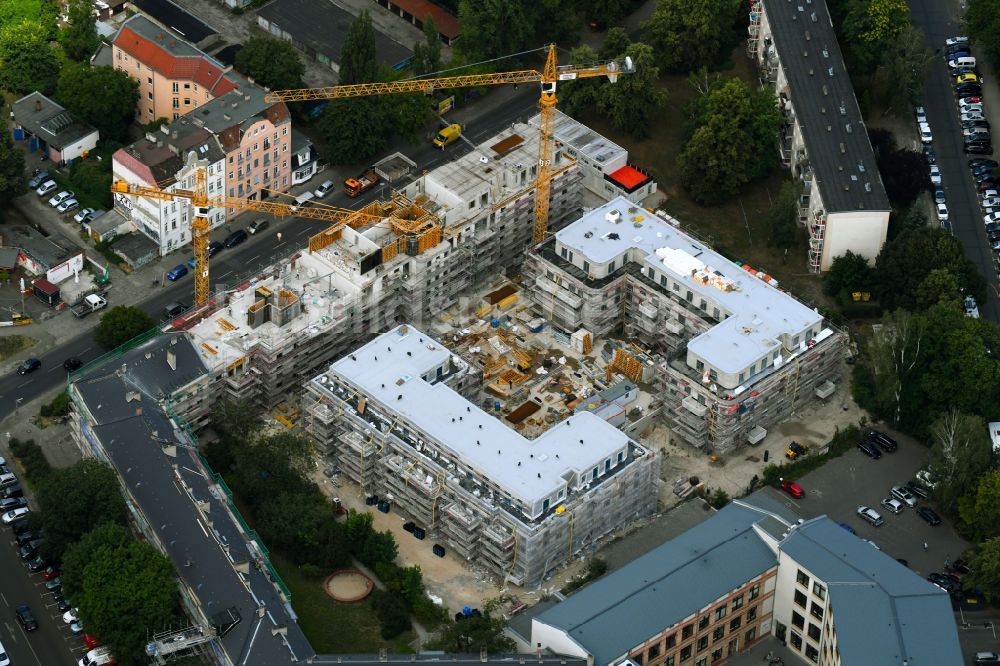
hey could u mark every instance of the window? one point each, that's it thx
(816, 610)
(685, 653)
(176, 103)
(813, 632)
(187, 86)
(611, 267)
(702, 643)
(819, 590)
(701, 662)
(796, 641)
(669, 661)
(752, 614)
(687, 632)
(187, 101)
(812, 653)
(754, 592)
(654, 652)
(800, 599)
(149, 95)
(720, 612)
(735, 623)
(802, 578)
(716, 655)
(702, 622)
(149, 80)
(718, 633)
(586, 267)
(798, 620)
(671, 640)
(750, 635)
(637, 658)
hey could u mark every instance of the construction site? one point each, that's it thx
(396, 416)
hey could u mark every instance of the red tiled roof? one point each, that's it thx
(446, 23)
(199, 69)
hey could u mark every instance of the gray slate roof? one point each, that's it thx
(623, 609)
(872, 594)
(177, 19)
(48, 121)
(825, 105)
(133, 434)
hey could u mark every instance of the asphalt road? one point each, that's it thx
(232, 265)
(52, 643)
(939, 20)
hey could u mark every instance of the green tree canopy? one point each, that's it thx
(733, 142)
(687, 34)
(607, 13)
(27, 62)
(960, 454)
(615, 44)
(12, 183)
(120, 324)
(871, 27)
(783, 218)
(983, 513)
(904, 172)
(494, 28)
(273, 63)
(43, 12)
(939, 287)
(985, 566)
(470, 634)
(107, 536)
(899, 79)
(982, 21)
(848, 273)
(78, 36)
(427, 54)
(358, 60)
(632, 102)
(111, 111)
(580, 95)
(76, 499)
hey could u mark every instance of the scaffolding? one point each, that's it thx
(817, 233)
(753, 39)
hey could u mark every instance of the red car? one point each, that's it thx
(90, 641)
(50, 573)
(793, 489)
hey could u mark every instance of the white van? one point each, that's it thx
(964, 61)
(100, 656)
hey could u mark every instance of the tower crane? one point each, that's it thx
(405, 217)
(550, 75)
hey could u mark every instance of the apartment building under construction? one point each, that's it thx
(396, 415)
(409, 259)
(738, 353)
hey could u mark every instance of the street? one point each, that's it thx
(232, 266)
(939, 21)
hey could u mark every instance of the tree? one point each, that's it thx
(940, 286)
(392, 613)
(732, 142)
(358, 60)
(133, 581)
(43, 12)
(236, 421)
(632, 102)
(871, 27)
(555, 21)
(120, 324)
(983, 513)
(581, 95)
(848, 273)
(111, 111)
(960, 454)
(911, 218)
(686, 34)
(273, 63)
(985, 566)
(904, 174)
(467, 634)
(899, 79)
(109, 536)
(783, 218)
(895, 352)
(76, 499)
(12, 182)
(615, 44)
(27, 62)
(427, 54)
(78, 36)
(982, 23)
(607, 12)
(493, 28)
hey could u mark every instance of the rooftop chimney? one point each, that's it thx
(38, 105)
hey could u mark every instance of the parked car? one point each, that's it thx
(975, 125)
(942, 581)
(925, 133)
(84, 215)
(986, 658)
(921, 115)
(235, 238)
(893, 505)
(929, 515)
(903, 495)
(929, 154)
(324, 189)
(939, 196)
(4, 659)
(870, 515)
(76, 628)
(13, 515)
(39, 564)
(28, 366)
(942, 212)
(970, 100)
(62, 196)
(883, 441)
(11, 503)
(26, 537)
(173, 309)
(72, 364)
(869, 449)
(177, 272)
(46, 187)
(26, 618)
(792, 488)
(992, 217)
(935, 174)
(54, 584)
(37, 179)
(214, 248)
(50, 572)
(959, 566)
(70, 616)
(847, 527)
(969, 90)
(979, 148)
(257, 225)
(967, 78)
(958, 39)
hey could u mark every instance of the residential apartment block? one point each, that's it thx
(741, 354)
(398, 416)
(716, 590)
(174, 77)
(823, 140)
(168, 159)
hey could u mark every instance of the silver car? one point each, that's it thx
(870, 515)
(904, 495)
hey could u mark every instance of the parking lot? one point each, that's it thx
(837, 488)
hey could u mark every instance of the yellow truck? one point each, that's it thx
(448, 135)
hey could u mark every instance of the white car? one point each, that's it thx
(942, 212)
(921, 115)
(59, 198)
(958, 39)
(971, 108)
(4, 659)
(992, 217)
(69, 204)
(870, 515)
(84, 215)
(324, 189)
(904, 495)
(893, 505)
(46, 187)
(971, 115)
(971, 307)
(70, 616)
(991, 202)
(935, 174)
(925, 133)
(991, 193)
(13, 515)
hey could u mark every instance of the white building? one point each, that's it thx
(167, 159)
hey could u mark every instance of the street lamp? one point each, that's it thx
(17, 404)
(279, 238)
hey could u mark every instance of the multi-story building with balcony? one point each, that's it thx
(398, 417)
(168, 159)
(823, 138)
(740, 353)
(174, 76)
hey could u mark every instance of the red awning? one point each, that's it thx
(629, 178)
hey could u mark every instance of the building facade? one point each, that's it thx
(174, 76)
(823, 140)
(398, 416)
(740, 354)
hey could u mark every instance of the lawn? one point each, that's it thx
(332, 627)
(738, 228)
(12, 344)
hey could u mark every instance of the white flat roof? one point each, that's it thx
(392, 365)
(758, 312)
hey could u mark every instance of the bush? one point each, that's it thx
(429, 614)
(58, 407)
(842, 442)
(36, 466)
(312, 571)
(392, 613)
(718, 499)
